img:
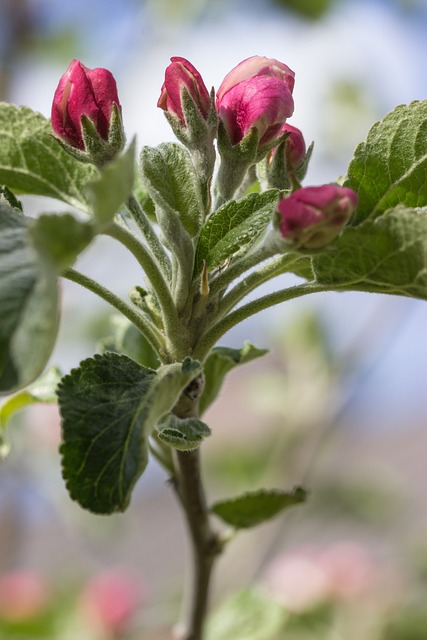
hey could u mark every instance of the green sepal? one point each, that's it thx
(302, 168)
(255, 507)
(74, 152)
(220, 361)
(116, 132)
(113, 186)
(28, 305)
(198, 134)
(390, 167)
(234, 228)
(198, 131)
(60, 238)
(184, 434)
(244, 151)
(275, 173)
(110, 406)
(43, 391)
(32, 161)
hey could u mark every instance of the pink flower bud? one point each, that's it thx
(179, 75)
(256, 94)
(83, 92)
(295, 149)
(312, 217)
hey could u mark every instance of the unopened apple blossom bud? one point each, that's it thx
(312, 217)
(287, 163)
(253, 102)
(179, 75)
(295, 149)
(256, 94)
(191, 113)
(86, 114)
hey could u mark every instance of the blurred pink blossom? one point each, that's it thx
(309, 576)
(23, 595)
(110, 599)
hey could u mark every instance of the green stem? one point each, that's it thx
(236, 269)
(153, 335)
(205, 541)
(242, 313)
(230, 176)
(255, 279)
(152, 271)
(149, 234)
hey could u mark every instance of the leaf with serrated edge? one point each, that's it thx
(385, 255)
(253, 508)
(31, 161)
(113, 186)
(109, 407)
(220, 361)
(28, 305)
(390, 168)
(234, 228)
(184, 434)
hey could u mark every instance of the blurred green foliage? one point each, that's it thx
(311, 9)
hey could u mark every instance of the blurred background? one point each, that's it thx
(339, 405)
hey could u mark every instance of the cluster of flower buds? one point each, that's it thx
(248, 116)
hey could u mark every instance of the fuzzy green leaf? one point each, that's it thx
(251, 509)
(387, 254)
(42, 391)
(182, 434)
(109, 406)
(248, 615)
(59, 239)
(220, 361)
(390, 168)
(28, 305)
(234, 228)
(32, 161)
(171, 181)
(113, 186)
